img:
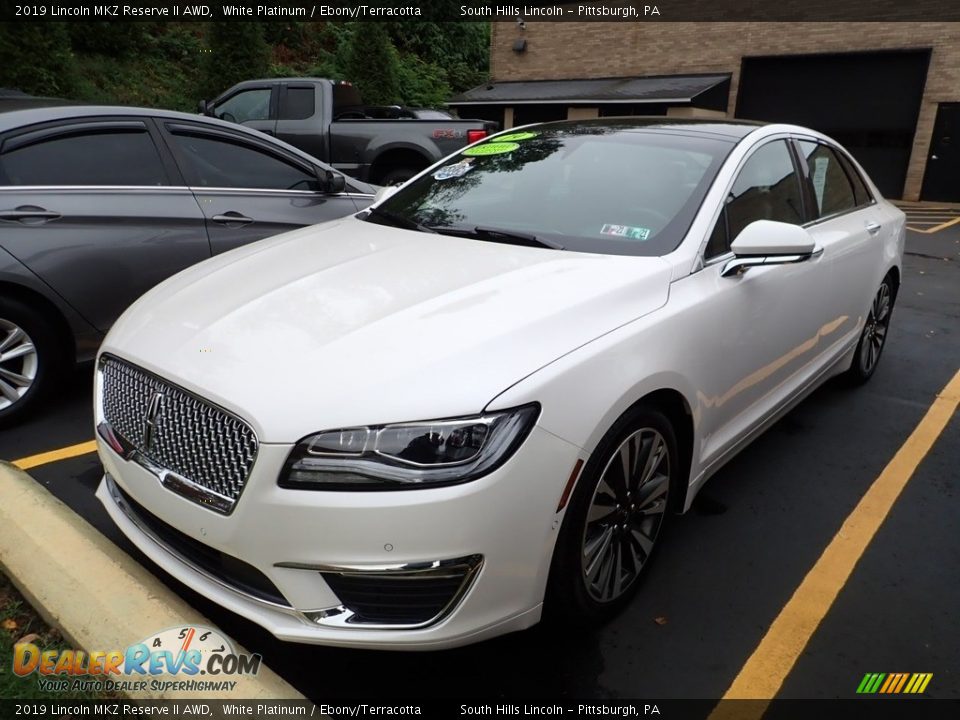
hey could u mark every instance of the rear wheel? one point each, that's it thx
(616, 517)
(874, 335)
(30, 358)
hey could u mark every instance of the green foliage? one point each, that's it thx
(237, 51)
(462, 49)
(36, 58)
(105, 37)
(110, 81)
(422, 84)
(372, 64)
(172, 65)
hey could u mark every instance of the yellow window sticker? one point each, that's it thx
(494, 148)
(515, 137)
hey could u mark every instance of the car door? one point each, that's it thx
(93, 208)
(848, 224)
(300, 118)
(249, 189)
(763, 331)
(254, 107)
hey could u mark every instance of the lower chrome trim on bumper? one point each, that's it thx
(463, 569)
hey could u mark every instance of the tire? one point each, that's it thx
(397, 175)
(874, 336)
(586, 585)
(30, 359)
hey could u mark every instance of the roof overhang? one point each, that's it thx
(670, 89)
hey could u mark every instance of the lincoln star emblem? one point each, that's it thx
(151, 419)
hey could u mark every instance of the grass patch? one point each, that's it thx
(19, 621)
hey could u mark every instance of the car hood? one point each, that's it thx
(351, 323)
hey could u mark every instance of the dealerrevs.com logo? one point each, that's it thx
(176, 659)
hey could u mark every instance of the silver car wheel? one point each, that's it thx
(875, 329)
(18, 363)
(625, 515)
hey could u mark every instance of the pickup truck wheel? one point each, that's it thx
(395, 176)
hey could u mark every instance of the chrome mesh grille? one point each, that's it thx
(190, 437)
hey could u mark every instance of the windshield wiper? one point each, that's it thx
(398, 220)
(494, 234)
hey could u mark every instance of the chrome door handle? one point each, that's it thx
(232, 218)
(28, 212)
(873, 228)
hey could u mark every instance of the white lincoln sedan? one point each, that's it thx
(479, 402)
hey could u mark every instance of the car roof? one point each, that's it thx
(21, 112)
(24, 112)
(734, 130)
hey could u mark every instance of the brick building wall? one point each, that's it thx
(569, 50)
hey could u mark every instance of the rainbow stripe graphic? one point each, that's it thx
(894, 683)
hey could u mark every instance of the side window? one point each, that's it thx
(860, 191)
(221, 162)
(767, 188)
(298, 103)
(831, 187)
(246, 105)
(89, 158)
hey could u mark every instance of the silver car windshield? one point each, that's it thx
(593, 188)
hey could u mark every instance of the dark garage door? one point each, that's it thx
(868, 102)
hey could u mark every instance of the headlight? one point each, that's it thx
(408, 455)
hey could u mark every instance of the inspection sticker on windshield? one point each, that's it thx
(453, 171)
(627, 231)
(515, 137)
(494, 148)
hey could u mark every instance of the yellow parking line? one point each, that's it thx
(936, 228)
(764, 672)
(54, 455)
(945, 225)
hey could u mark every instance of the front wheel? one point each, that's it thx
(874, 335)
(616, 516)
(29, 358)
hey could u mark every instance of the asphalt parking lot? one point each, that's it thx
(729, 566)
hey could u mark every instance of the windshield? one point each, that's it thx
(603, 188)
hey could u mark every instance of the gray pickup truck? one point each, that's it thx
(327, 119)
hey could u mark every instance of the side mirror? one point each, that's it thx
(385, 192)
(203, 107)
(768, 242)
(334, 182)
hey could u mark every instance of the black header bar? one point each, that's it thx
(650, 11)
(917, 708)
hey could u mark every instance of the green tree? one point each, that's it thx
(421, 83)
(372, 64)
(104, 37)
(238, 52)
(36, 58)
(462, 49)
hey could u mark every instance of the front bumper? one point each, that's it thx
(499, 530)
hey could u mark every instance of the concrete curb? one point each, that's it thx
(98, 596)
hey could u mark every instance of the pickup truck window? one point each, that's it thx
(223, 163)
(246, 105)
(298, 103)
